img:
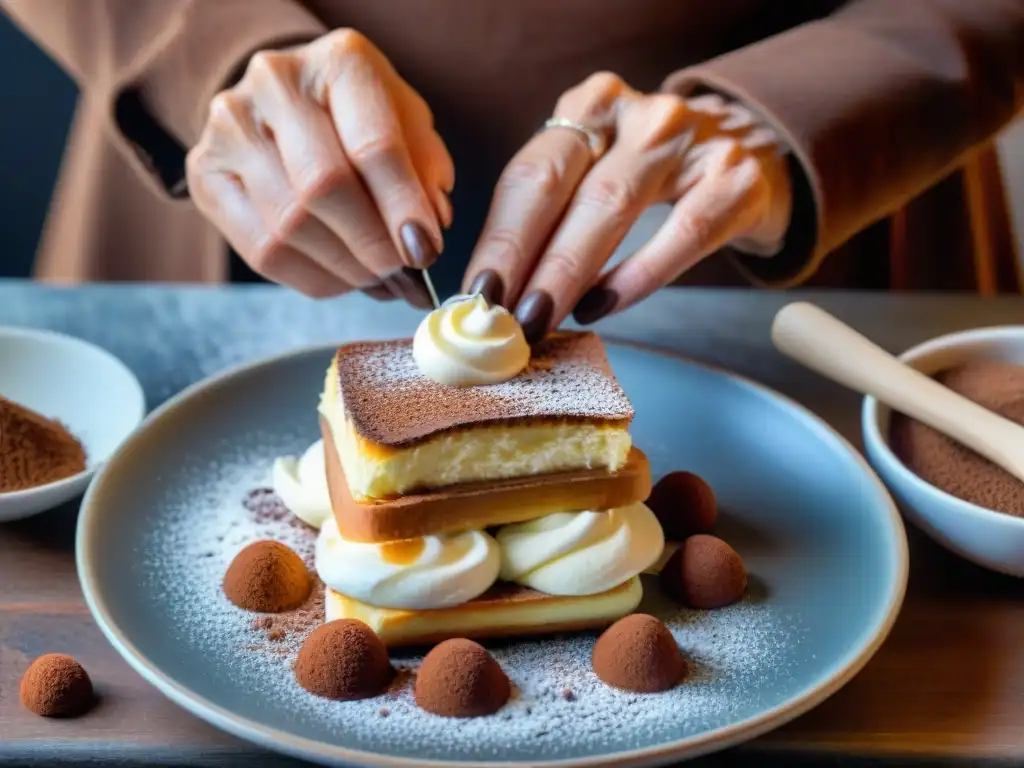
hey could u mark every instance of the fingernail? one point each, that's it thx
(379, 291)
(489, 285)
(534, 314)
(595, 304)
(420, 252)
(408, 283)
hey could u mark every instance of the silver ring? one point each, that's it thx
(597, 143)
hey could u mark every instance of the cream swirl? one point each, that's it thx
(415, 574)
(302, 485)
(468, 343)
(581, 553)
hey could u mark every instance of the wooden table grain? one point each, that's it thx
(948, 684)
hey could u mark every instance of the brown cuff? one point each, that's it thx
(162, 110)
(801, 254)
(796, 262)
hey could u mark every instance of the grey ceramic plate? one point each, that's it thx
(818, 531)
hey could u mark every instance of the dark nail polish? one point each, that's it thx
(419, 250)
(379, 291)
(534, 314)
(489, 285)
(409, 285)
(595, 304)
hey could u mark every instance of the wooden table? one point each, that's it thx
(949, 683)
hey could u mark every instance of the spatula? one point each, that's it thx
(821, 342)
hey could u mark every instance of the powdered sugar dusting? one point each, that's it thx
(391, 402)
(741, 655)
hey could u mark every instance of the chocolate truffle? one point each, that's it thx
(705, 572)
(267, 577)
(639, 654)
(459, 678)
(55, 685)
(343, 660)
(684, 505)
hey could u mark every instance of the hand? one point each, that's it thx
(323, 170)
(559, 212)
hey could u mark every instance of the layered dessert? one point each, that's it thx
(467, 486)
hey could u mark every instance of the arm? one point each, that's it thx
(154, 65)
(878, 102)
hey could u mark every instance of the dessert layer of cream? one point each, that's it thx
(468, 343)
(470, 455)
(581, 553)
(565, 553)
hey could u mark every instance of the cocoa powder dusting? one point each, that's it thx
(35, 450)
(947, 464)
(459, 678)
(55, 685)
(267, 577)
(638, 653)
(343, 660)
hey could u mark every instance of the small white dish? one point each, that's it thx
(87, 389)
(990, 539)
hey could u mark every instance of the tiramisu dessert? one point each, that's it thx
(475, 489)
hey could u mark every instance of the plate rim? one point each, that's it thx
(283, 742)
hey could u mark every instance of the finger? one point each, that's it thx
(714, 212)
(373, 140)
(606, 205)
(323, 180)
(270, 191)
(380, 292)
(430, 156)
(529, 200)
(222, 199)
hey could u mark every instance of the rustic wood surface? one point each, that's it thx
(949, 682)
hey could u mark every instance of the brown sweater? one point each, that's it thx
(880, 100)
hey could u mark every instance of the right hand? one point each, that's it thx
(324, 172)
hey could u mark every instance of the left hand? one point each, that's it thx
(561, 208)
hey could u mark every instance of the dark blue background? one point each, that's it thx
(38, 100)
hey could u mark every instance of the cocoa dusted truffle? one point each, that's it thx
(267, 577)
(343, 660)
(55, 685)
(459, 678)
(684, 505)
(705, 572)
(639, 654)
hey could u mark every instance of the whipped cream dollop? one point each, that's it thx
(302, 485)
(414, 574)
(581, 553)
(468, 343)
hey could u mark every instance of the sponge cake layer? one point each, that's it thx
(479, 505)
(505, 610)
(397, 433)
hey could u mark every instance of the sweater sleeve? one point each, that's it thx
(878, 102)
(153, 65)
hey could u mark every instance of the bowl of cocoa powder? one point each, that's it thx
(65, 407)
(961, 500)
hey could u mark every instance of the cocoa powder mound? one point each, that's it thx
(343, 660)
(638, 654)
(948, 465)
(267, 577)
(55, 685)
(705, 573)
(684, 504)
(35, 450)
(459, 678)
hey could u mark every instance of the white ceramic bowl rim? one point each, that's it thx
(41, 333)
(870, 408)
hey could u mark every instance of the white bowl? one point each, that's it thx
(991, 539)
(86, 388)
